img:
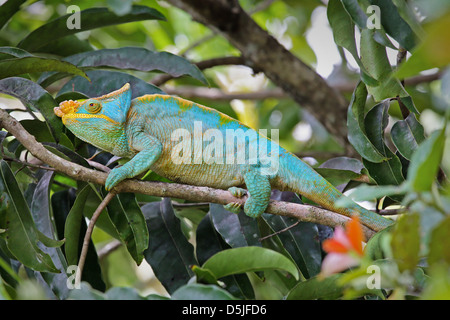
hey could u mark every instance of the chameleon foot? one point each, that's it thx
(237, 192)
(233, 207)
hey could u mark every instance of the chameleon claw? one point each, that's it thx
(237, 192)
(233, 207)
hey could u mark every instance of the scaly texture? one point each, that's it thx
(193, 144)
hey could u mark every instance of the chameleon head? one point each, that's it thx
(97, 120)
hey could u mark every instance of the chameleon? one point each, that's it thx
(153, 131)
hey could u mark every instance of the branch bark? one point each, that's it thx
(264, 53)
(160, 189)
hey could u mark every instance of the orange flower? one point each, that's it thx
(345, 248)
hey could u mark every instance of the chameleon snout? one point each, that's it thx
(66, 107)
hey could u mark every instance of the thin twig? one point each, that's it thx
(108, 248)
(96, 165)
(401, 56)
(260, 6)
(191, 92)
(197, 43)
(180, 205)
(87, 236)
(27, 164)
(279, 231)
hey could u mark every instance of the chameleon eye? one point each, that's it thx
(94, 107)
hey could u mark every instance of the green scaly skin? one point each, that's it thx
(142, 130)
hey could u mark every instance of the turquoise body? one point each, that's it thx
(192, 144)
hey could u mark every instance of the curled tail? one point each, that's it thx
(296, 176)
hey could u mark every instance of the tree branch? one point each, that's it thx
(215, 94)
(160, 189)
(192, 92)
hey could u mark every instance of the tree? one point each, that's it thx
(369, 133)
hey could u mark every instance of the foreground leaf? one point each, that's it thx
(238, 230)
(315, 288)
(195, 291)
(425, 161)
(127, 216)
(246, 259)
(407, 230)
(169, 253)
(21, 234)
(208, 243)
(439, 243)
(432, 52)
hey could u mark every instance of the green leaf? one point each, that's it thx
(247, 259)
(74, 231)
(73, 226)
(103, 82)
(432, 52)
(407, 135)
(120, 7)
(43, 216)
(21, 233)
(67, 46)
(410, 17)
(204, 275)
(127, 216)
(20, 66)
(344, 35)
(406, 231)
(394, 24)
(425, 161)
(238, 230)
(13, 52)
(91, 18)
(359, 16)
(208, 243)
(134, 58)
(169, 253)
(439, 244)
(356, 131)
(315, 288)
(378, 247)
(387, 172)
(8, 9)
(374, 58)
(196, 291)
(340, 170)
(35, 97)
(301, 242)
(368, 192)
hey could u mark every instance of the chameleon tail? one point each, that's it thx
(297, 176)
